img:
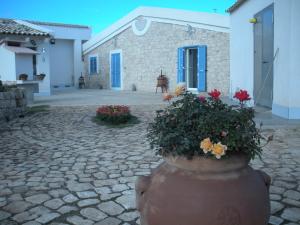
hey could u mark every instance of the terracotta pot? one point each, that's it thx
(204, 191)
(40, 76)
(23, 77)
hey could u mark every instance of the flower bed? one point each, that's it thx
(114, 114)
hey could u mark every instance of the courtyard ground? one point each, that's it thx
(59, 167)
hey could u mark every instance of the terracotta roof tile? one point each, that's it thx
(9, 26)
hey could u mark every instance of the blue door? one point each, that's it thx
(115, 70)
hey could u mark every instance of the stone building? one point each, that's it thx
(190, 47)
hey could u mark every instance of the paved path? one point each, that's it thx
(91, 97)
(61, 168)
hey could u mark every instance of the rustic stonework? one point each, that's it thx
(62, 154)
(12, 104)
(144, 56)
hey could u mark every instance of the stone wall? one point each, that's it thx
(12, 104)
(144, 56)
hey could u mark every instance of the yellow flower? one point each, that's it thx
(206, 145)
(219, 150)
(179, 90)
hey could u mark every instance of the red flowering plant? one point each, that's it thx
(242, 96)
(215, 94)
(114, 114)
(205, 126)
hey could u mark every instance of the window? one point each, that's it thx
(192, 67)
(93, 67)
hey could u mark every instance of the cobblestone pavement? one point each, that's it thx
(59, 167)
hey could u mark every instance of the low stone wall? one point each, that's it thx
(12, 104)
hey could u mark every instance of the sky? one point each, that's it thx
(98, 14)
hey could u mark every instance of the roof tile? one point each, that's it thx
(9, 26)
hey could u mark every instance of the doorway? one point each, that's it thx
(115, 70)
(263, 57)
(192, 68)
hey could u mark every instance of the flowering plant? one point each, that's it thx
(115, 114)
(205, 126)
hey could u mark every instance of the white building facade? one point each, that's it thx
(265, 52)
(33, 48)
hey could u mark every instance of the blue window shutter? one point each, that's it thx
(118, 70)
(112, 71)
(202, 68)
(96, 64)
(181, 65)
(93, 65)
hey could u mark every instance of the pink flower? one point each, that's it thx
(202, 98)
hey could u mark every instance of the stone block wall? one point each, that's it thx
(12, 104)
(145, 56)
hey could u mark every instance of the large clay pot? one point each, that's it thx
(204, 191)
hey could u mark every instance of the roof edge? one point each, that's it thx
(170, 14)
(58, 24)
(235, 6)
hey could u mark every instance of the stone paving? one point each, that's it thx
(59, 167)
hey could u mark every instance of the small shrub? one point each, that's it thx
(114, 114)
(37, 109)
(5, 87)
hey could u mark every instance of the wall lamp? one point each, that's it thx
(253, 20)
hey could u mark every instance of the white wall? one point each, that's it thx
(72, 33)
(78, 63)
(295, 55)
(24, 64)
(43, 66)
(286, 101)
(7, 65)
(241, 45)
(64, 36)
(62, 63)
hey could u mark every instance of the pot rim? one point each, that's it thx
(202, 164)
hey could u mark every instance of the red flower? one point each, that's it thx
(242, 96)
(215, 94)
(202, 98)
(113, 110)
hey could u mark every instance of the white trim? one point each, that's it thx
(141, 32)
(97, 63)
(210, 21)
(36, 27)
(121, 68)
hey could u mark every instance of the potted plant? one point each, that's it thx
(23, 76)
(205, 178)
(40, 76)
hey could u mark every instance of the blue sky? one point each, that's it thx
(98, 14)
